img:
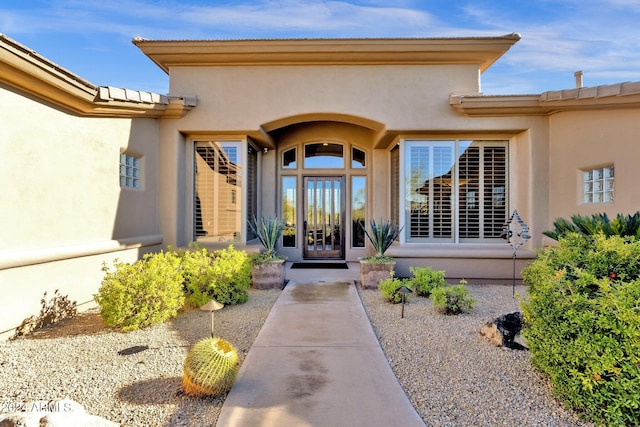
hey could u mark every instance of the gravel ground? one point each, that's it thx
(140, 389)
(451, 374)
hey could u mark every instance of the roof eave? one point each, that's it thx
(28, 72)
(507, 105)
(482, 51)
(617, 96)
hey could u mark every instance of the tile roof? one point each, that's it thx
(110, 93)
(618, 89)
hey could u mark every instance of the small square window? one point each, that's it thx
(598, 185)
(289, 159)
(357, 158)
(129, 171)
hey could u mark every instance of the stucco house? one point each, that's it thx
(325, 133)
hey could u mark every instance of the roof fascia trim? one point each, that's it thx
(618, 96)
(28, 72)
(502, 105)
(482, 51)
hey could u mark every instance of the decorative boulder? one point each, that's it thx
(503, 330)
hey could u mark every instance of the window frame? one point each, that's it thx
(296, 211)
(241, 201)
(295, 156)
(592, 181)
(352, 208)
(309, 166)
(138, 167)
(456, 193)
(354, 162)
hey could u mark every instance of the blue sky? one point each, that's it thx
(93, 38)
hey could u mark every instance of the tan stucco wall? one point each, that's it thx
(587, 140)
(79, 278)
(241, 98)
(64, 171)
(237, 101)
(404, 100)
(63, 211)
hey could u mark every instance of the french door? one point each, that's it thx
(324, 200)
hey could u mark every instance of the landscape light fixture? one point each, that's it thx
(403, 291)
(212, 306)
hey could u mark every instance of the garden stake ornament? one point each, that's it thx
(515, 231)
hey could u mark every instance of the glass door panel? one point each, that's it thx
(289, 211)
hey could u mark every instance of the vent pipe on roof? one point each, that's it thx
(578, 76)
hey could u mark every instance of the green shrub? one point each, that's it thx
(425, 280)
(232, 270)
(582, 321)
(194, 266)
(388, 288)
(223, 275)
(141, 294)
(452, 299)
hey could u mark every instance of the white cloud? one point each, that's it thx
(308, 18)
(600, 37)
(263, 18)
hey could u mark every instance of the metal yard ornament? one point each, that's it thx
(516, 232)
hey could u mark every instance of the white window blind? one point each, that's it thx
(218, 191)
(455, 191)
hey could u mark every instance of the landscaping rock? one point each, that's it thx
(503, 330)
(54, 413)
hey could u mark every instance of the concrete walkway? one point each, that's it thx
(317, 362)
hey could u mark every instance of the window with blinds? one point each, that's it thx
(455, 191)
(218, 191)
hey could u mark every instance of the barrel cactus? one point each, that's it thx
(211, 368)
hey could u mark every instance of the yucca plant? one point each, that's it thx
(269, 231)
(382, 236)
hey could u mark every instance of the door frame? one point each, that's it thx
(324, 254)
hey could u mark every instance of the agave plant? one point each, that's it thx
(382, 236)
(268, 231)
(621, 225)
